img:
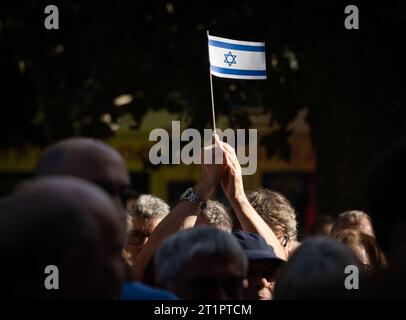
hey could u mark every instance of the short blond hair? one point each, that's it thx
(276, 210)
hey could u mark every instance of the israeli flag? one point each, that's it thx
(236, 59)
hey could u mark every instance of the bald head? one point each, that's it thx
(89, 159)
(66, 222)
(86, 158)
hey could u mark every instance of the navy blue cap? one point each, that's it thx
(255, 246)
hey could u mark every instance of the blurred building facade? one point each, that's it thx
(294, 178)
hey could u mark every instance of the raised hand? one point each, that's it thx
(212, 173)
(232, 182)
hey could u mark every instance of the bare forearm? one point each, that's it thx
(182, 216)
(251, 221)
(172, 223)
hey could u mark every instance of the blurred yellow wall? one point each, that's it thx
(134, 145)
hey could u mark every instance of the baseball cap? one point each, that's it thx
(255, 246)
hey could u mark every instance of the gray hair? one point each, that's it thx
(217, 215)
(181, 247)
(147, 206)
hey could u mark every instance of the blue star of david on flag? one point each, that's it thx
(230, 58)
(224, 63)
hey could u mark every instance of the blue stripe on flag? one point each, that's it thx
(233, 46)
(239, 72)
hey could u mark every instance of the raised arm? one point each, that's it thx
(250, 220)
(182, 216)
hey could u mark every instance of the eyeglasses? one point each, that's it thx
(123, 192)
(137, 237)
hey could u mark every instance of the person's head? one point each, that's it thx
(278, 213)
(364, 246)
(317, 270)
(64, 222)
(353, 219)
(201, 263)
(216, 215)
(144, 214)
(89, 159)
(264, 265)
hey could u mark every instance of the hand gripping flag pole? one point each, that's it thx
(235, 59)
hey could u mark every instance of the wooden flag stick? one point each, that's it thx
(211, 90)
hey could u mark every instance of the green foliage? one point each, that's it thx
(55, 84)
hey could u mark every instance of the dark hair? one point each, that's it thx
(42, 225)
(31, 239)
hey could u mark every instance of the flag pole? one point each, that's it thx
(211, 89)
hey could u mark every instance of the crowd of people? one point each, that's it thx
(81, 214)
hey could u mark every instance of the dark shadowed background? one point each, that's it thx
(60, 83)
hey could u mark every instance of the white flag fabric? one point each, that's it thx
(237, 59)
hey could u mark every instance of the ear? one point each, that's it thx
(245, 283)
